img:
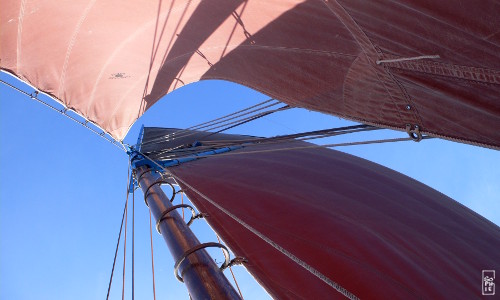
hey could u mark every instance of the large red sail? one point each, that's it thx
(435, 65)
(321, 224)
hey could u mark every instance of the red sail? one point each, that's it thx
(313, 222)
(431, 64)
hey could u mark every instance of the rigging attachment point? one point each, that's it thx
(414, 133)
(199, 247)
(236, 261)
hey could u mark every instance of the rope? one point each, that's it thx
(152, 256)
(211, 145)
(231, 269)
(246, 120)
(212, 122)
(378, 62)
(124, 249)
(133, 243)
(119, 235)
(34, 96)
(182, 202)
(309, 147)
(325, 146)
(211, 126)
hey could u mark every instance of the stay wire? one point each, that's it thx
(124, 250)
(239, 120)
(211, 126)
(133, 243)
(63, 112)
(231, 269)
(195, 127)
(211, 145)
(119, 235)
(308, 147)
(246, 120)
(236, 123)
(152, 255)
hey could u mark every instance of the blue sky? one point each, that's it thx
(62, 190)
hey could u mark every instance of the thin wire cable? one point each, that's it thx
(223, 121)
(182, 202)
(211, 145)
(133, 244)
(239, 121)
(119, 235)
(324, 146)
(246, 120)
(231, 269)
(124, 250)
(152, 255)
(309, 147)
(195, 127)
(63, 112)
(236, 123)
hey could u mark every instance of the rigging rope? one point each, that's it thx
(231, 269)
(211, 145)
(119, 235)
(199, 126)
(237, 123)
(133, 243)
(105, 135)
(152, 256)
(211, 126)
(124, 250)
(323, 146)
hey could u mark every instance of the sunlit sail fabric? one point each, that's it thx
(429, 64)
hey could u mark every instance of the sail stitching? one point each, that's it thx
(371, 52)
(294, 258)
(71, 44)
(20, 32)
(480, 75)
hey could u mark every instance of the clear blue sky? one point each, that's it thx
(62, 190)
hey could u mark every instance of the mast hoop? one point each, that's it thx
(160, 182)
(164, 215)
(142, 174)
(199, 247)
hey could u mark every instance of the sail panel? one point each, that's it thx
(305, 218)
(385, 63)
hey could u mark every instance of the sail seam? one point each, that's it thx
(480, 75)
(288, 254)
(20, 33)
(70, 46)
